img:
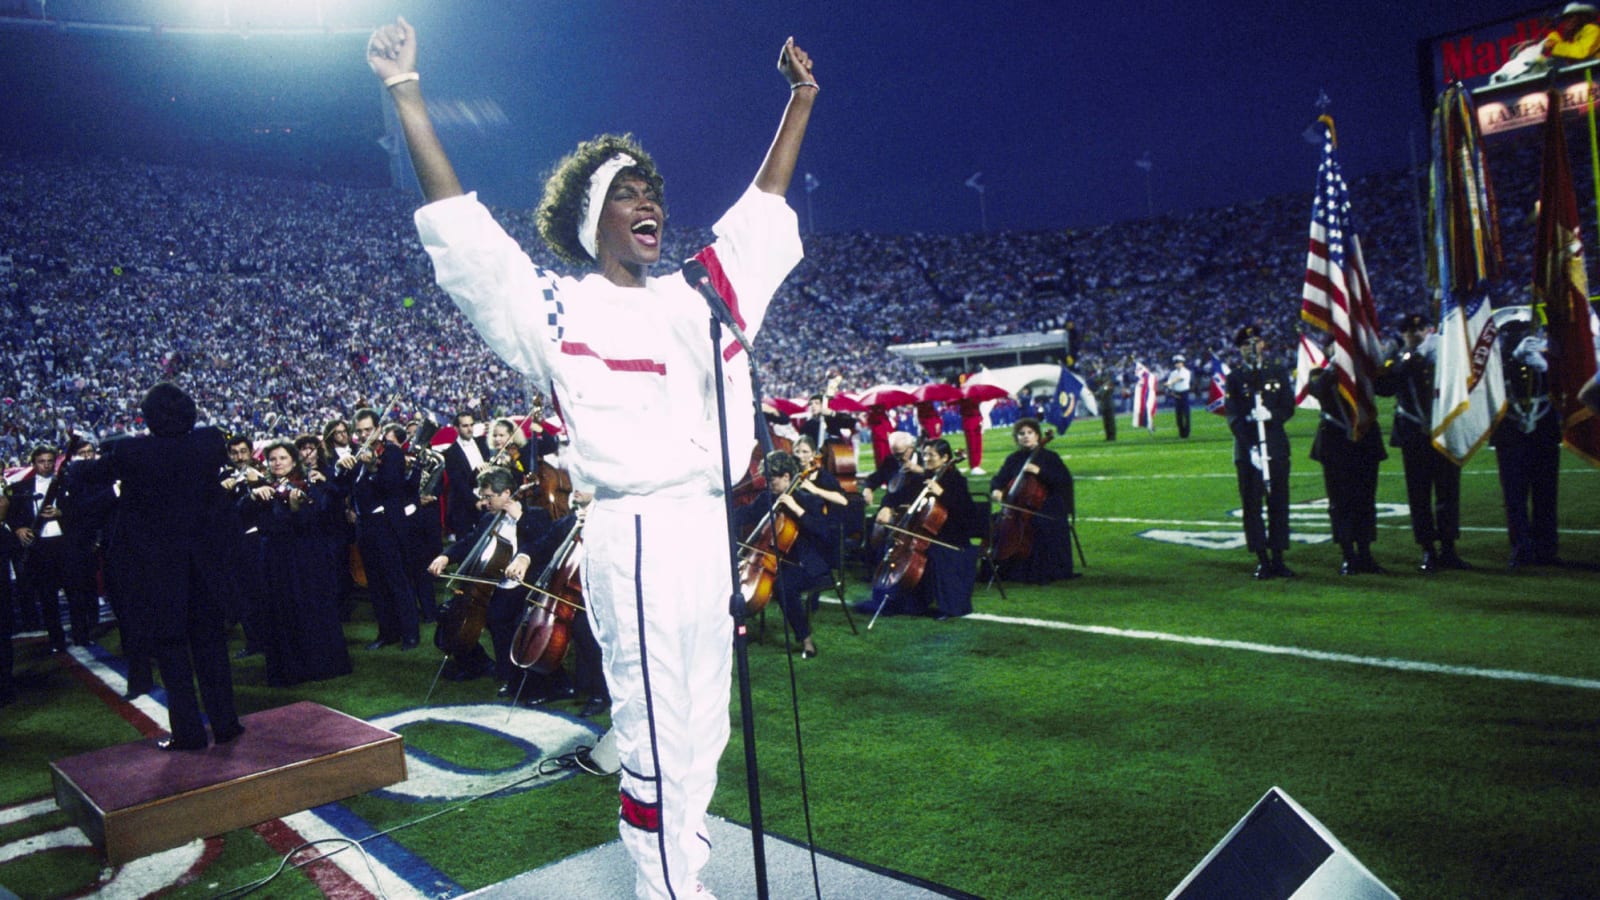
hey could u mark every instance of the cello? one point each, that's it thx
(545, 630)
(762, 553)
(1013, 528)
(462, 619)
(912, 534)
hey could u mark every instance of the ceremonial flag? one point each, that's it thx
(1144, 398)
(1071, 395)
(1217, 393)
(1336, 297)
(1469, 388)
(1561, 287)
(1308, 357)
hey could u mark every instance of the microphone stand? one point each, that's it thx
(736, 603)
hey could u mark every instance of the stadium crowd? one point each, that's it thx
(280, 304)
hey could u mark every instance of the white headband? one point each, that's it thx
(599, 186)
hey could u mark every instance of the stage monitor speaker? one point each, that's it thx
(1278, 851)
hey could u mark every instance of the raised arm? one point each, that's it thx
(392, 56)
(778, 168)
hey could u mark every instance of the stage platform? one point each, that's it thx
(133, 799)
(606, 871)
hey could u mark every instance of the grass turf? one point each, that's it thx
(1010, 759)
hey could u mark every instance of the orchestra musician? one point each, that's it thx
(835, 502)
(945, 588)
(657, 588)
(1050, 558)
(508, 449)
(46, 561)
(526, 529)
(297, 583)
(462, 459)
(804, 567)
(8, 546)
(379, 497)
(823, 426)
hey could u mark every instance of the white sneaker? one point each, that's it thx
(978, 471)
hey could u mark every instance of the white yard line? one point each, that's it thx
(1405, 665)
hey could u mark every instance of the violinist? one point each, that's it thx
(951, 570)
(526, 529)
(508, 448)
(379, 496)
(804, 566)
(1049, 558)
(424, 525)
(468, 453)
(292, 570)
(239, 477)
(241, 474)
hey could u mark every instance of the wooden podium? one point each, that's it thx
(133, 799)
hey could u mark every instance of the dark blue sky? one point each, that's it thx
(1052, 102)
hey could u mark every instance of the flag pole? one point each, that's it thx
(1594, 147)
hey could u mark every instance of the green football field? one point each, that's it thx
(1094, 738)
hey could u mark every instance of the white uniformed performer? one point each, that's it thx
(627, 360)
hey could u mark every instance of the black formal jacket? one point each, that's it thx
(174, 538)
(1277, 394)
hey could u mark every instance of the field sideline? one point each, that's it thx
(1089, 739)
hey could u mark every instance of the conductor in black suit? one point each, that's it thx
(174, 545)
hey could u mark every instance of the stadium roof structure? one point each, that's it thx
(1003, 350)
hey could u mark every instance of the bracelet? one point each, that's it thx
(809, 84)
(402, 78)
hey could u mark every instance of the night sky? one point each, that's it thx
(1052, 102)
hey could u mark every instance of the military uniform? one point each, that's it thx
(1272, 385)
(1433, 480)
(1527, 445)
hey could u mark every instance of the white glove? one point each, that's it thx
(1261, 414)
(1429, 346)
(1530, 352)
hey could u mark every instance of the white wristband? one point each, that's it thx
(402, 78)
(809, 84)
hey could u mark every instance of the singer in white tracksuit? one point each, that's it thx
(627, 360)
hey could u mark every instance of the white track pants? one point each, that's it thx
(657, 586)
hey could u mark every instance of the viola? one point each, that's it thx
(914, 532)
(1013, 528)
(462, 619)
(545, 630)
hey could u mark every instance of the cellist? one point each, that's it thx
(1050, 557)
(526, 529)
(804, 565)
(951, 569)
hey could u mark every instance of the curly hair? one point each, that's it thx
(567, 186)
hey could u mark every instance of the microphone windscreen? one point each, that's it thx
(694, 271)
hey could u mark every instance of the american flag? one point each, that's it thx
(1217, 394)
(1144, 397)
(1337, 297)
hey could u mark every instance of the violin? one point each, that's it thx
(1013, 529)
(916, 530)
(542, 636)
(768, 543)
(462, 619)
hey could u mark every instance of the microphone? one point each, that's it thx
(694, 272)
